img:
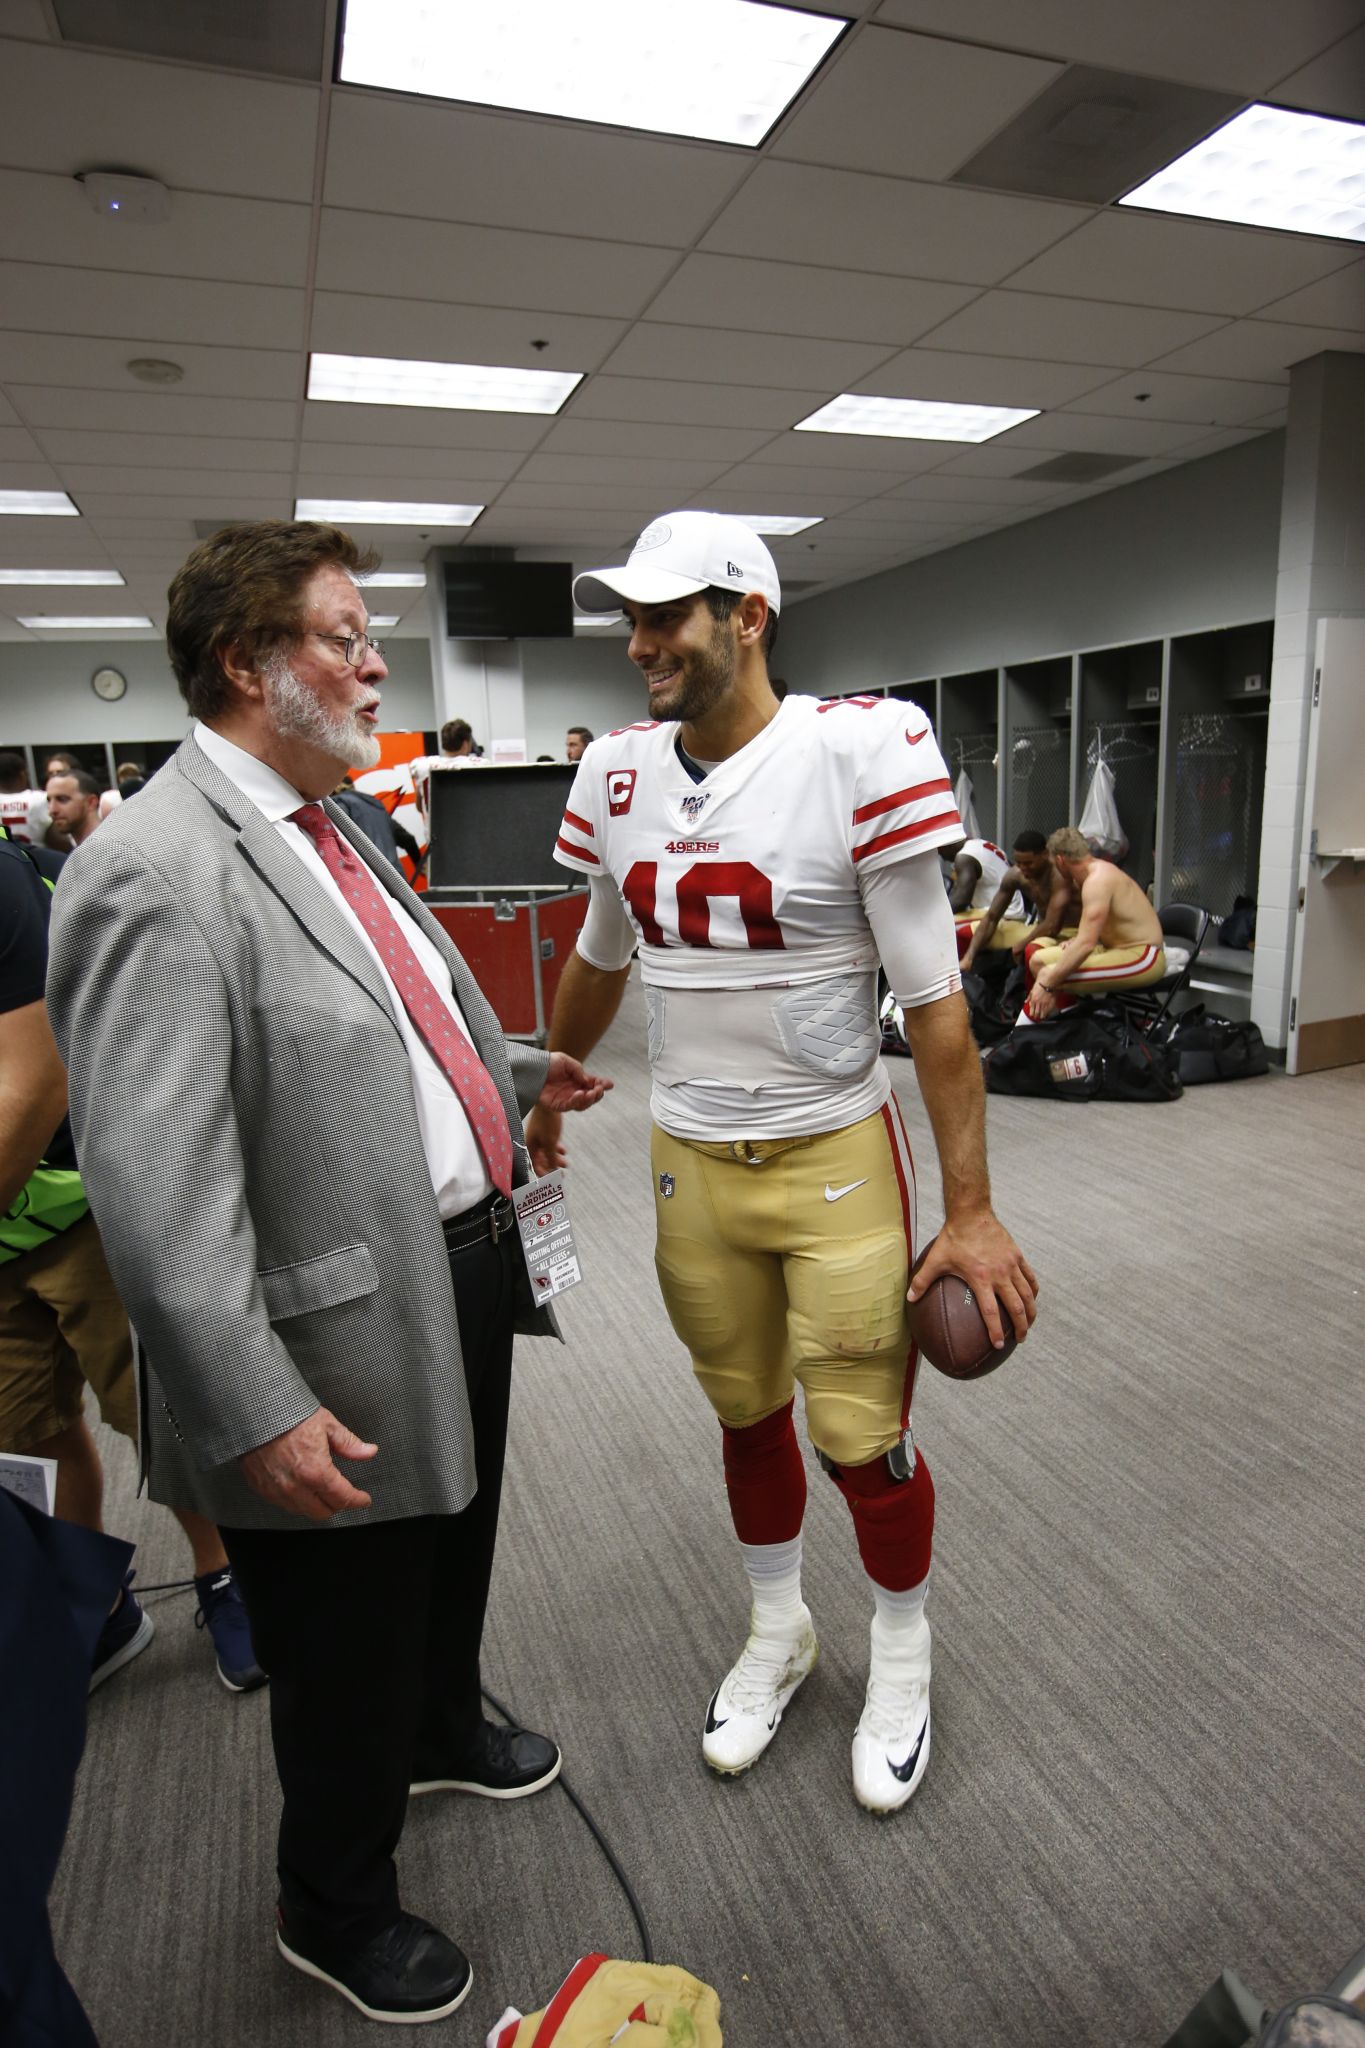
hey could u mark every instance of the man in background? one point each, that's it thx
(576, 741)
(1053, 903)
(73, 799)
(979, 867)
(1118, 942)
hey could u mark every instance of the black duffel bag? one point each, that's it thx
(1215, 1048)
(1093, 1053)
(992, 1006)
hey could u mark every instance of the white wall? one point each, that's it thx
(1194, 547)
(588, 682)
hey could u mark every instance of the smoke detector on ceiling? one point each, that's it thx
(155, 370)
(123, 195)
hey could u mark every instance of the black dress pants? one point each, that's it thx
(371, 1637)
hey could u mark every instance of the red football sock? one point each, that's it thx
(765, 1479)
(893, 1520)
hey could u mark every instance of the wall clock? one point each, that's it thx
(109, 683)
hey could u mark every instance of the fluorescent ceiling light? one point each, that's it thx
(721, 70)
(39, 504)
(460, 387)
(378, 621)
(393, 579)
(1269, 168)
(778, 522)
(34, 577)
(385, 512)
(912, 419)
(51, 623)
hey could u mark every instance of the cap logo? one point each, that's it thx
(733, 569)
(655, 536)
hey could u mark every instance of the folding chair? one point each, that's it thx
(1188, 927)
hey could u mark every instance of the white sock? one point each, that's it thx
(900, 1636)
(775, 1577)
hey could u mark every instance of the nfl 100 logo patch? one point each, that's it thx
(693, 806)
(666, 1186)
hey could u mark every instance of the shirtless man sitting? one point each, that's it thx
(1055, 902)
(1118, 943)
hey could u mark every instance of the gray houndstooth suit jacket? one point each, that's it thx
(243, 1110)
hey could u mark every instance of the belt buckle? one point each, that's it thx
(497, 1226)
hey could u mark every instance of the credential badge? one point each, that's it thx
(666, 1186)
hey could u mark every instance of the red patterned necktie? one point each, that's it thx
(447, 1044)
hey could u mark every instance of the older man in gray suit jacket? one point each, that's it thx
(299, 1124)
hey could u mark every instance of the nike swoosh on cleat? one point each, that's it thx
(837, 1194)
(711, 1722)
(903, 1771)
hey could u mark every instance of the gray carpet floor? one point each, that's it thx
(1149, 1659)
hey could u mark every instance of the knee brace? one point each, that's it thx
(765, 1478)
(892, 1503)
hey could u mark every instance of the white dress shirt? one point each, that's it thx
(459, 1177)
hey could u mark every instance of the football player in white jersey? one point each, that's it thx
(764, 857)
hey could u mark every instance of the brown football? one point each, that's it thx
(951, 1330)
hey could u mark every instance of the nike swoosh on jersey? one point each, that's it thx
(914, 738)
(837, 1194)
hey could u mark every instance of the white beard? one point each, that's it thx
(299, 715)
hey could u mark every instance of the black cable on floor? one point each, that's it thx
(647, 1945)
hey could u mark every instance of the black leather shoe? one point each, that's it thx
(406, 1973)
(508, 1763)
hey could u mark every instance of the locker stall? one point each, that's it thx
(925, 694)
(1217, 714)
(1120, 691)
(1037, 746)
(969, 737)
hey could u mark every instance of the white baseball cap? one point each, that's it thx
(681, 553)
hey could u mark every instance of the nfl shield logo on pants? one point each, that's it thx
(666, 1185)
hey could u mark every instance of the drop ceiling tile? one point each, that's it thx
(1214, 444)
(976, 495)
(1264, 349)
(723, 356)
(428, 259)
(1203, 401)
(421, 426)
(578, 436)
(102, 365)
(18, 445)
(1235, 45)
(1003, 457)
(1335, 301)
(633, 505)
(1010, 323)
(8, 416)
(1067, 432)
(174, 451)
(963, 379)
(459, 486)
(1159, 260)
(647, 473)
(210, 503)
(127, 530)
(29, 476)
(152, 411)
(65, 301)
(854, 451)
(549, 527)
(390, 155)
(685, 404)
(911, 106)
(822, 478)
(45, 219)
(799, 298)
(358, 464)
(853, 221)
(89, 483)
(735, 498)
(192, 128)
(423, 330)
(1333, 83)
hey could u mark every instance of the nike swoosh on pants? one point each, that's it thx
(837, 1194)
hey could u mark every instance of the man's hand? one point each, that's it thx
(569, 1086)
(979, 1249)
(295, 1470)
(544, 1140)
(1041, 1002)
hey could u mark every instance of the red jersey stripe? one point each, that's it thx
(579, 824)
(934, 824)
(901, 796)
(579, 852)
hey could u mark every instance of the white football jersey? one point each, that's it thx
(993, 862)
(25, 815)
(748, 882)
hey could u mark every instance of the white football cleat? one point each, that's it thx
(750, 1700)
(891, 1741)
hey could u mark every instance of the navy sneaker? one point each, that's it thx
(125, 1635)
(222, 1612)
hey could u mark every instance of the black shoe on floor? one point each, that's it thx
(509, 1763)
(407, 1973)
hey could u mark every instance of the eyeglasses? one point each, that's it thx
(354, 647)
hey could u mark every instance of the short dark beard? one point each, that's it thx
(706, 678)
